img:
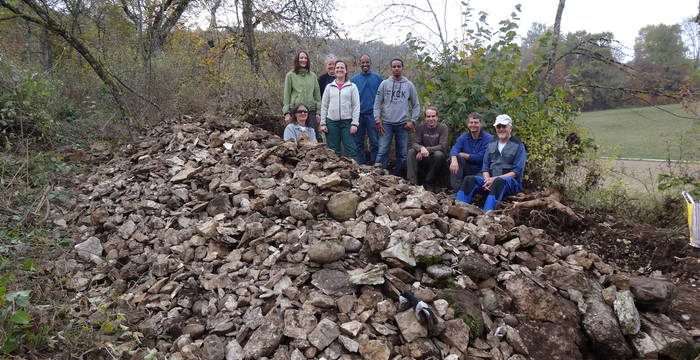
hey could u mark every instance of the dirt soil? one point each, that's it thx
(633, 247)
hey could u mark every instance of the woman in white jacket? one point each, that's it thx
(340, 111)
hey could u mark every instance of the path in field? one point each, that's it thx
(641, 175)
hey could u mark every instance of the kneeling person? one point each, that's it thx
(427, 150)
(502, 169)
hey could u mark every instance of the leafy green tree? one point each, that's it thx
(661, 45)
(488, 78)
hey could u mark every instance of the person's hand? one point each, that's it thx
(324, 129)
(464, 156)
(287, 118)
(419, 156)
(488, 182)
(318, 118)
(409, 125)
(380, 128)
(424, 152)
(454, 166)
(353, 129)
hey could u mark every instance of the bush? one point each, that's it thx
(489, 79)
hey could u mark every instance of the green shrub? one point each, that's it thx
(490, 80)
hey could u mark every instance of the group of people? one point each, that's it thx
(366, 105)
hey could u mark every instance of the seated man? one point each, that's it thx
(502, 169)
(467, 154)
(427, 150)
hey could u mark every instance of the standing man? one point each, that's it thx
(427, 150)
(367, 83)
(329, 76)
(467, 154)
(391, 116)
(502, 169)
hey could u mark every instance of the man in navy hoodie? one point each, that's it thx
(367, 83)
(467, 153)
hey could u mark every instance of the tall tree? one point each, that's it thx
(46, 15)
(553, 46)
(309, 19)
(156, 19)
(661, 45)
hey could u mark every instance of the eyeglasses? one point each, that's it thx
(500, 126)
(301, 112)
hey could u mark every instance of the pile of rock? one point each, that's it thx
(217, 240)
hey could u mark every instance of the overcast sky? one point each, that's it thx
(623, 18)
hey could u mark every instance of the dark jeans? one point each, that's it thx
(432, 164)
(465, 169)
(366, 126)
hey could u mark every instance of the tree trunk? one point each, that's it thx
(249, 35)
(46, 55)
(27, 43)
(553, 48)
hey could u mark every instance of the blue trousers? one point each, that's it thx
(401, 134)
(366, 126)
(501, 187)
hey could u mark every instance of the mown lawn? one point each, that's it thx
(644, 133)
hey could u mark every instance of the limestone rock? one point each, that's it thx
(649, 294)
(456, 334)
(342, 205)
(410, 328)
(265, 340)
(90, 250)
(374, 350)
(325, 332)
(324, 252)
(627, 314)
(600, 324)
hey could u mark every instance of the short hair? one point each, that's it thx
(368, 57)
(432, 108)
(475, 115)
(396, 59)
(330, 57)
(298, 67)
(346, 68)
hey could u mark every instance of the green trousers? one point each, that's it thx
(340, 131)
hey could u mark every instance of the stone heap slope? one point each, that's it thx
(216, 240)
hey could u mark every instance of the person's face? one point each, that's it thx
(503, 131)
(330, 66)
(365, 64)
(396, 68)
(431, 118)
(302, 114)
(474, 125)
(340, 70)
(303, 59)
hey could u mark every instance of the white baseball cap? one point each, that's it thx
(503, 119)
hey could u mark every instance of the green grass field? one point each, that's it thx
(644, 133)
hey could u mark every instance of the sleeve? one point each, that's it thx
(378, 101)
(287, 94)
(289, 133)
(355, 106)
(479, 152)
(485, 164)
(317, 95)
(324, 105)
(457, 146)
(519, 162)
(415, 103)
(418, 138)
(443, 139)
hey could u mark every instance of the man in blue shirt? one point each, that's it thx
(467, 154)
(502, 168)
(367, 83)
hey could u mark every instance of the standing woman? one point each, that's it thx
(300, 116)
(301, 87)
(340, 111)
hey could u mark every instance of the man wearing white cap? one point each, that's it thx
(502, 168)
